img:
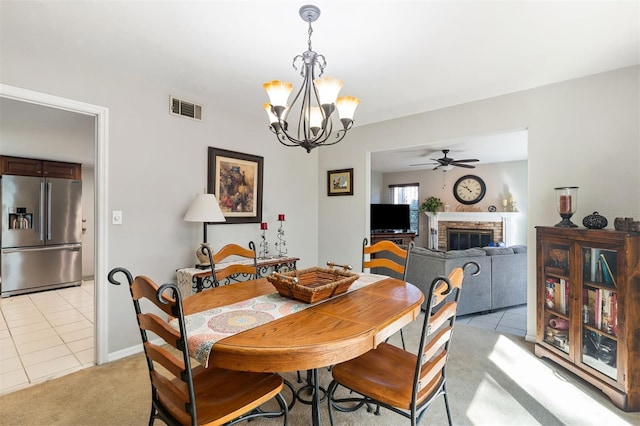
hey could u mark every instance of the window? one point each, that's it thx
(407, 194)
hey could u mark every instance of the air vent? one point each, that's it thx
(185, 108)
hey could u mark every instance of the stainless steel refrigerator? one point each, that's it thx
(41, 234)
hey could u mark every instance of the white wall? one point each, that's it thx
(503, 180)
(582, 132)
(158, 162)
(88, 222)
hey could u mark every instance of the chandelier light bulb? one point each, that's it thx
(347, 106)
(328, 89)
(278, 92)
(315, 119)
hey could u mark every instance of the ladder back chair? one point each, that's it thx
(180, 394)
(396, 259)
(250, 271)
(401, 381)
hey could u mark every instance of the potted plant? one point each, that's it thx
(431, 205)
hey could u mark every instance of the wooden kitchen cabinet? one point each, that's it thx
(41, 168)
(588, 307)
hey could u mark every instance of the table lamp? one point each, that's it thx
(205, 209)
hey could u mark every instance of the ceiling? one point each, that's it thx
(493, 148)
(399, 57)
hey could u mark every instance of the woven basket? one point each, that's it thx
(313, 284)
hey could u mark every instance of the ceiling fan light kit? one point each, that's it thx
(313, 105)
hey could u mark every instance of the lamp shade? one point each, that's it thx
(204, 208)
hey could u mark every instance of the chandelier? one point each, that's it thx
(313, 105)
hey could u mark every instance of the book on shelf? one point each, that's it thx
(557, 294)
(604, 304)
(586, 264)
(550, 299)
(607, 276)
(609, 311)
(561, 293)
(615, 313)
(592, 265)
(591, 306)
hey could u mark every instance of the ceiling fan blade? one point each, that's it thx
(423, 164)
(468, 166)
(468, 160)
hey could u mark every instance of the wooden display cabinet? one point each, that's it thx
(588, 307)
(41, 168)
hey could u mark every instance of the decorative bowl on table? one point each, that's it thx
(314, 284)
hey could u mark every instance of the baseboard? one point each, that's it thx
(132, 350)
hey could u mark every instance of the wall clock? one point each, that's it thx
(469, 189)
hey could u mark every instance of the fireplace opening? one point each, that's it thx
(462, 239)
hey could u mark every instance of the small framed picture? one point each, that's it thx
(340, 182)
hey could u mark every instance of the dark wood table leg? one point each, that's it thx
(318, 394)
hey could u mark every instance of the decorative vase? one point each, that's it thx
(567, 203)
(595, 221)
(201, 254)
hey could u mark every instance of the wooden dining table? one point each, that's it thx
(327, 333)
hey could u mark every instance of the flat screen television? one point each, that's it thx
(390, 217)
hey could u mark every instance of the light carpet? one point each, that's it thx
(493, 379)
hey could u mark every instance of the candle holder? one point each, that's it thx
(567, 203)
(264, 245)
(281, 243)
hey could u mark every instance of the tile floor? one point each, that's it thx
(45, 335)
(510, 320)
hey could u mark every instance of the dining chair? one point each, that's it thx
(180, 394)
(399, 380)
(230, 252)
(394, 258)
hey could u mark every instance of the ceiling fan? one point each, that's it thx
(445, 163)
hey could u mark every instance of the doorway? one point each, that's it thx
(98, 116)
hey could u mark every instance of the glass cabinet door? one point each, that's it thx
(556, 318)
(600, 310)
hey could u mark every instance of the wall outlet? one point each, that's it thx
(117, 217)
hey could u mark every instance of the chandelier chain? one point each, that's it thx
(310, 33)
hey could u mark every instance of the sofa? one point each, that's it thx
(501, 283)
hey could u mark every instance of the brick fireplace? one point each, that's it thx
(445, 227)
(498, 223)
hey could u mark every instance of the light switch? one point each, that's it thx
(117, 217)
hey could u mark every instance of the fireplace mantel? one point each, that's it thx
(504, 217)
(472, 216)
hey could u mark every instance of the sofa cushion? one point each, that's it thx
(427, 252)
(472, 252)
(451, 254)
(508, 280)
(497, 251)
(519, 249)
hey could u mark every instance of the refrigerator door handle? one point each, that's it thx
(72, 247)
(41, 230)
(48, 210)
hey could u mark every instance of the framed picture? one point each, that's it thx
(236, 180)
(340, 182)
